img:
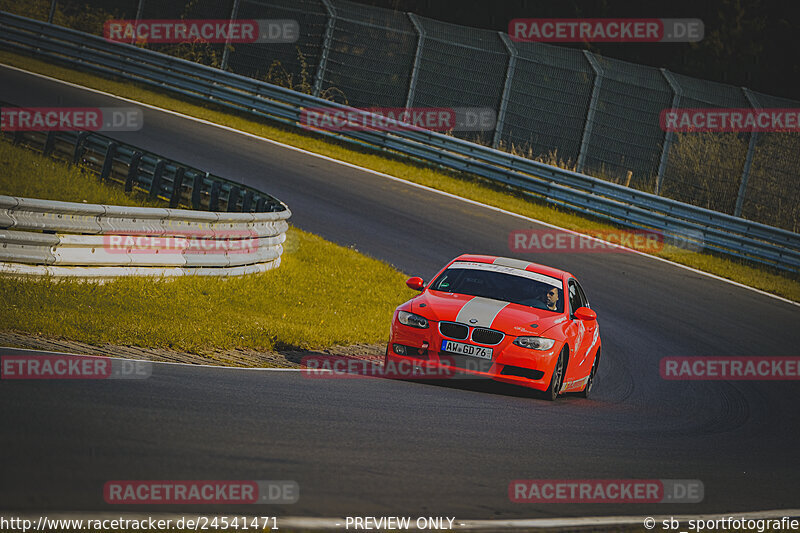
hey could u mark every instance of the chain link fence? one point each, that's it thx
(559, 105)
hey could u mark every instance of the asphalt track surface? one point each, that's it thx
(370, 446)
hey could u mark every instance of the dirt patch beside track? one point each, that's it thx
(238, 358)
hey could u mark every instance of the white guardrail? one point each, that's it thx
(66, 239)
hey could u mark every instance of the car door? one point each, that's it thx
(581, 335)
(592, 329)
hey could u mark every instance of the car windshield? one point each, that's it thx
(502, 283)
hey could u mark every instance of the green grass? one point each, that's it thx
(476, 188)
(321, 295)
(18, 165)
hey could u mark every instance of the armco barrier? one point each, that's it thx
(45, 237)
(712, 230)
(151, 173)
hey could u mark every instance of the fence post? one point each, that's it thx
(139, 11)
(512, 63)
(326, 46)
(587, 128)
(412, 83)
(52, 13)
(669, 137)
(227, 51)
(748, 161)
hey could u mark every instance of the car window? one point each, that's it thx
(582, 294)
(506, 287)
(575, 297)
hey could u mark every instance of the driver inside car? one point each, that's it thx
(551, 299)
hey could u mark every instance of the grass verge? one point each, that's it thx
(322, 295)
(473, 187)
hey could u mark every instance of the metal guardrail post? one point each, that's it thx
(326, 46)
(196, 191)
(512, 63)
(233, 198)
(227, 50)
(587, 128)
(213, 197)
(247, 201)
(412, 82)
(669, 137)
(155, 185)
(748, 161)
(133, 171)
(80, 149)
(108, 161)
(49, 143)
(177, 184)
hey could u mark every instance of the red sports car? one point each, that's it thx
(503, 319)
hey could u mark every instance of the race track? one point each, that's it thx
(369, 446)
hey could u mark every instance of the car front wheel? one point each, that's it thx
(557, 378)
(586, 390)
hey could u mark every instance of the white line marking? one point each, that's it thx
(401, 180)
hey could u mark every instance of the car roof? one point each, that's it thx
(515, 263)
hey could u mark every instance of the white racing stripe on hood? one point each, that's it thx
(484, 310)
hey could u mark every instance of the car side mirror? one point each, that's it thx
(415, 283)
(584, 313)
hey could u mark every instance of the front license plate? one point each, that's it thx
(466, 349)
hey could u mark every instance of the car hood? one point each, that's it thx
(510, 318)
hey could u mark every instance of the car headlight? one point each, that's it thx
(534, 343)
(410, 319)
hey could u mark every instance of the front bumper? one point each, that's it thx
(421, 348)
